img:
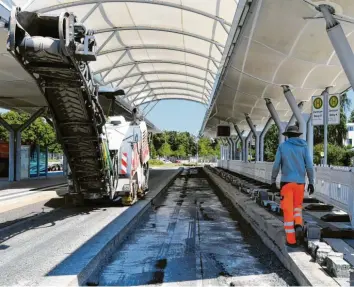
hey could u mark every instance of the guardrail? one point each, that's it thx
(333, 185)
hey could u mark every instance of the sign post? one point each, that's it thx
(325, 111)
(325, 126)
(334, 110)
(317, 111)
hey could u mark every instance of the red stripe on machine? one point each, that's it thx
(124, 163)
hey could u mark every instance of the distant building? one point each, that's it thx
(350, 134)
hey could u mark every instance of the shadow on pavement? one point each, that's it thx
(16, 227)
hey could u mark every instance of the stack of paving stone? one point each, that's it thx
(328, 258)
(321, 252)
(258, 191)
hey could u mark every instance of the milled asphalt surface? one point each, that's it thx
(29, 252)
(193, 238)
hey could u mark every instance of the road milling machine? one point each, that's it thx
(107, 156)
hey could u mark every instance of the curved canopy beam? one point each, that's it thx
(172, 98)
(156, 62)
(167, 88)
(156, 73)
(163, 81)
(159, 29)
(155, 2)
(159, 96)
(159, 47)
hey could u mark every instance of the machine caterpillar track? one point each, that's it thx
(56, 51)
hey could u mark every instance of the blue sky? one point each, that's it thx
(177, 115)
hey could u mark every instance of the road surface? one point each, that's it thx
(30, 251)
(193, 238)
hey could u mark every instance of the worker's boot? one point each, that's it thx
(294, 245)
(299, 233)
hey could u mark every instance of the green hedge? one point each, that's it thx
(155, 162)
(340, 156)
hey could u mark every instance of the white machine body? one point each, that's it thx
(131, 140)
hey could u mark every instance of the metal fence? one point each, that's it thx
(333, 185)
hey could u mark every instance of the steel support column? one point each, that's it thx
(234, 147)
(12, 154)
(293, 118)
(238, 155)
(65, 165)
(243, 141)
(18, 155)
(325, 96)
(236, 143)
(231, 142)
(246, 149)
(230, 149)
(243, 148)
(222, 148)
(225, 149)
(256, 136)
(309, 135)
(294, 107)
(339, 41)
(276, 119)
(262, 136)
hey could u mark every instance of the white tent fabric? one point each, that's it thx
(154, 50)
(279, 47)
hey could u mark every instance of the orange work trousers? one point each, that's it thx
(292, 196)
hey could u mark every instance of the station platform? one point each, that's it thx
(24, 199)
(15, 187)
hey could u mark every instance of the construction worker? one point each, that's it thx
(294, 159)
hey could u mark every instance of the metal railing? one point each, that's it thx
(333, 185)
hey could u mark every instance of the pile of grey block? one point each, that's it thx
(320, 251)
(256, 193)
(327, 257)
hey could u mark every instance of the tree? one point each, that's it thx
(39, 132)
(271, 140)
(153, 153)
(335, 155)
(165, 149)
(180, 152)
(181, 144)
(171, 138)
(351, 117)
(183, 139)
(158, 139)
(204, 147)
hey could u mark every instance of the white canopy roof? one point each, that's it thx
(277, 46)
(154, 50)
(177, 49)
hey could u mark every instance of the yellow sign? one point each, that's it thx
(317, 110)
(317, 103)
(333, 101)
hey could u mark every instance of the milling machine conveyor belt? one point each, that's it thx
(56, 52)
